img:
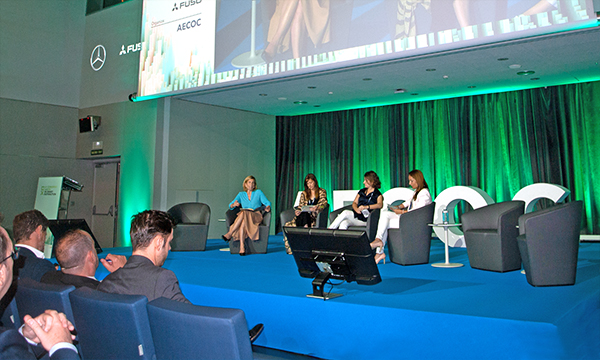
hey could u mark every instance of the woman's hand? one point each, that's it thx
(313, 209)
(297, 212)
(363, 207)
(236, 204)
(399, 211)
(268, 209)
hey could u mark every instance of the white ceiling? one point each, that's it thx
(569, 57)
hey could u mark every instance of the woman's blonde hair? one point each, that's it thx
(248, 178)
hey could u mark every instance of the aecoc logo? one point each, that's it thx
(98, 57)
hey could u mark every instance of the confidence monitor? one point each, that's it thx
(323, 254)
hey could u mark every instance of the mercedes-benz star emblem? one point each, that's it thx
(98, 57)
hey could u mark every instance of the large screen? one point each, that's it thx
(191, 45)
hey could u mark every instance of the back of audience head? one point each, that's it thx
(27, 223)
(146, 225)
(75, 250)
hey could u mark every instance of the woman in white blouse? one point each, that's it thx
(391, 218)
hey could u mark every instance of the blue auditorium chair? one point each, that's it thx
(491, 236)
(410, 243)
(112, 326)
(549, 244)
(186, 331)
(192, 220)
(10, 316)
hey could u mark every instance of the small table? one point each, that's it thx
(446, 264)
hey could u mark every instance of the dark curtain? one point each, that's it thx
(498, 142)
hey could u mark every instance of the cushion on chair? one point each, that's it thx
(186, 331)
(112, 326)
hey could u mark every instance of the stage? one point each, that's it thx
(416, 312)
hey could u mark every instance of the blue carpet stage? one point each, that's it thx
(416, 312)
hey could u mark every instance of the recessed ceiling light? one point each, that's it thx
(362, 100)
(312, 87)
(429, 69)
(367, 79)
(527, 72)
(514, 66)
(534, 79)
(400, 91)
(502, 59)
(471, 86)
(317, 105)
(445, 77)
(300, 102)
(415, 94)
(331, 93)
(262, 94)
(282, 98)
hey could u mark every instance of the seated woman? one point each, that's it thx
(313, 197)
(367, 200)
(391, 219)
(247, 220)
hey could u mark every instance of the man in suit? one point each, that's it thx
(151, 234)
(29, 230)
(78, 260)
(51, 329)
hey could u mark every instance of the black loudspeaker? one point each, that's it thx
(89, 123)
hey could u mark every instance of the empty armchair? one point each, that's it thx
(191, 231)
(186, 331)
(411, 242)
(252, 247)
(372, 221)
(112, 326)
(549, 244)
(491, 236)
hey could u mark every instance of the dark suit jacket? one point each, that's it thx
(28, 266)
(14, 346)
(140, 276)
(60, 278)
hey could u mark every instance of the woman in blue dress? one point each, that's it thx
(249, 218)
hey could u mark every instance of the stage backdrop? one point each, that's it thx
(498, 142)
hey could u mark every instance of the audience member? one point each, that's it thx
(151, 234)
(78, 260)
(51, 329)
(29, 231)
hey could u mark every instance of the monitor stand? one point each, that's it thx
(318, 286)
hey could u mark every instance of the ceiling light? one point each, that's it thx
(415, 94)
(362, 100)
(312, 87)
(502, 59)
(471, 86)
(367, 79)
(445, 77)
(514, 66)
(400, 91)
(534, 79)
(316, 105)
(527, 72)
(300, 102)
(331, 93)
(262, 94)
(282, 98)
(429, 69)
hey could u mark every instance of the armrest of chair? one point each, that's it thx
(286, 216)
(322, 217)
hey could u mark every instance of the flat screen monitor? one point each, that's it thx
(323, 254)
(60, 227)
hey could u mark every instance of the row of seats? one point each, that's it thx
(113, 326)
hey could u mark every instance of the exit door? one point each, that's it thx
(105, 210)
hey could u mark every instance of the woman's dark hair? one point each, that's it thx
(420, 179)
(373, 178)
(307, 190)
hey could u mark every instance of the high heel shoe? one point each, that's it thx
(224, 238)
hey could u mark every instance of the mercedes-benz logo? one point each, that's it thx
(98, 57)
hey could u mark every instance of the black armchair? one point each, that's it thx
(549, 244)
(252, 247)
(372, 221)
(491, 236)
(411, 242)
(191, 231)
(288, 215)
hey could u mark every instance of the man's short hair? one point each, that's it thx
(5, 243)
(26, 222)
(146, 225)
(72, 249)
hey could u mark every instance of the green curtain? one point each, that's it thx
(498, 142)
